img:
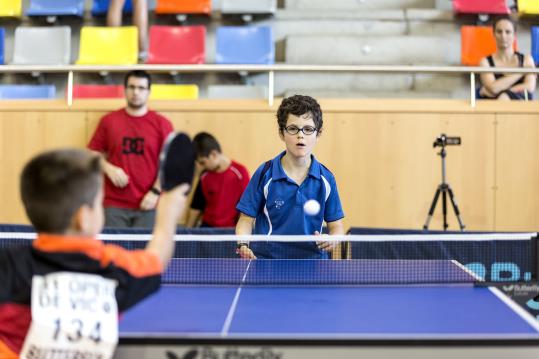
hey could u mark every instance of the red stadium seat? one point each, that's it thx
(476, 43)
(98, 91)
(177, 45)
(183, 7)
(480, 7)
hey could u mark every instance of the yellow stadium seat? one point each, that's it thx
(528, 7)
(10, 8)
(174, 92)
(108, 45)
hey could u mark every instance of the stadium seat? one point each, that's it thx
(174, 92)
(100, 7)
(528, 7)
(8, 92)
(480, 7)
(177, 45)
(56, 8)
(245, 45)
(42, 45)
(2, 35)
(183, 7)
(248, 6)
(98, 91)
(535, 44)
(237, 92)
(108, 45)
(476, 43)
(10, 8)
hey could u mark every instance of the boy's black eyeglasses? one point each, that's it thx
(294, 130)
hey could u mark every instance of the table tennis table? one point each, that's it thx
(232, 308)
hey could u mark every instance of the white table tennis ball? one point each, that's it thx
(311, 207)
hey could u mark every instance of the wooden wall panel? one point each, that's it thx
(388, 171)
(24, 134)
(517, 173)
(382, 156)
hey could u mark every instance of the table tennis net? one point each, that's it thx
(355, 259)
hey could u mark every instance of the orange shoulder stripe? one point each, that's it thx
(138, 263)
(6, 353)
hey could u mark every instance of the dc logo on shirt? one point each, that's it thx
(278, 203)
(133, 145)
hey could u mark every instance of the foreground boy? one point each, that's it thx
(62, 192)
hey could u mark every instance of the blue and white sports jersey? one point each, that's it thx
(276, 202)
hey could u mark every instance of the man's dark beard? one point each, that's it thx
(135, 107)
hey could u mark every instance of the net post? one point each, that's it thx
(472, 89)
(535, 251)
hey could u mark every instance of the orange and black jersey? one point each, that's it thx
(138, 274)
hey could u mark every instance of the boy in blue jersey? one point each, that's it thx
(272, 203)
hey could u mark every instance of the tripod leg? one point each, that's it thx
(432, 207)
(455, 207)
(444, 206)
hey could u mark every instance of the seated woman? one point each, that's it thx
(506, 86)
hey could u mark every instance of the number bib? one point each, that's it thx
(74, 315)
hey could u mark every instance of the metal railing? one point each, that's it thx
(270, 69)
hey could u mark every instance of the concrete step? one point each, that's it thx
(358, 4)
(381, 50)
(284, 28)
(353, 94)
(366, 82)
(354, 82)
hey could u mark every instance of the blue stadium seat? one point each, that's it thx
(56, 8)
(535, 44)
(245, 45)
(8, 92)
(2, 35)
(100, 7)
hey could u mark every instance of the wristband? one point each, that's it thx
(241, 244)
(155, 191)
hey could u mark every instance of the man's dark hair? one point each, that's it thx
(140, 74)
(204, 143)
(499, 18)
(55, 184)
(299, 105)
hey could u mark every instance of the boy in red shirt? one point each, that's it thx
(220, 186)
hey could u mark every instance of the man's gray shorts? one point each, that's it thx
(128, 218)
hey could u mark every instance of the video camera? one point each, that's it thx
(444, 140)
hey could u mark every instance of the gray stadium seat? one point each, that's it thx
(42, 45)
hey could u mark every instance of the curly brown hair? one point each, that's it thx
(299, 105)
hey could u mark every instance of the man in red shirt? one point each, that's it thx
(220, 186)
(129, 141)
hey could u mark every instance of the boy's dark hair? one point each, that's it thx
(204, 143)
(140, 74)
(55, 184)
(499, 18)
(299, 105)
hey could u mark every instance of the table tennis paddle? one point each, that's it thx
(177, 161)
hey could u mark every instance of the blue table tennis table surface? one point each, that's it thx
(323, 310)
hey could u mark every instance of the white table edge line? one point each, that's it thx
(232, 310)
(527, 317)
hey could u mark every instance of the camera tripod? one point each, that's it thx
(444, 189)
